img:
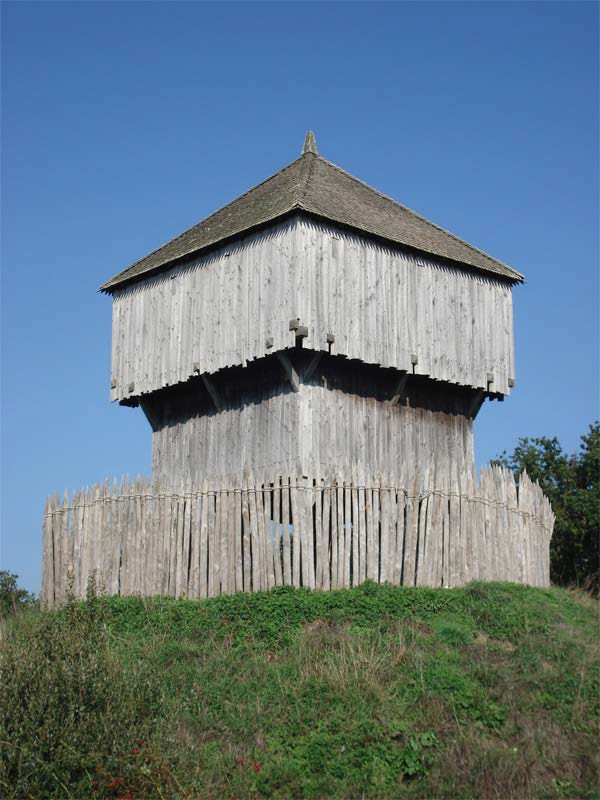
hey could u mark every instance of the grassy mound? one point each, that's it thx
(487, 691)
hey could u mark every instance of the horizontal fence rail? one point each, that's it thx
(322, 533)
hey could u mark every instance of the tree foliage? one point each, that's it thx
(572, 483)
(12, 598)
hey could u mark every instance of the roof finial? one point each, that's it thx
(310, 145)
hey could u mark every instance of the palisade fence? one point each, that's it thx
(322, 533)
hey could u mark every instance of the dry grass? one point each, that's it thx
(486, 692)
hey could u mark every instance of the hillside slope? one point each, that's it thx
(488, 691)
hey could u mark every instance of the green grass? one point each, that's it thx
(487, 691)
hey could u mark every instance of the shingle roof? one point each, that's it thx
(318, 187)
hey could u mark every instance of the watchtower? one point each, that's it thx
(312, 324)
(310, 358)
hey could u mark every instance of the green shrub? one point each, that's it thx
(67, 702)
(375, 692)
(12, 598)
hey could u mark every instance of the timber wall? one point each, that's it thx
(312, 430)
(384, 306)
(316, 531)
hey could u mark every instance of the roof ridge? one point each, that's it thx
(420, 217)
(309, 174)
(204, 220)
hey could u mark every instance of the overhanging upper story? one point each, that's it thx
(313, 256)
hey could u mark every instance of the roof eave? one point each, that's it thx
(118, 283)
(513, 277)
(115, 283)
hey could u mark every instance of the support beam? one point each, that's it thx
(290, 371)
(150, 414)
(399, 390)
(476, 403)
(213, 392)
(312, 365)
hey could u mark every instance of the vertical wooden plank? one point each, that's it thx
(319, 553)
(113, 586)
(285, 530)
(175, 510)
(204, 580)
(238, 545)
(230, 532)
(64, 547)
(301, 528)
(339, 533)
(312, 532)
(376, 482)
(372, 567)
(46, 556)
(297, 526)
(56, 560)
(105, 539)
(261, 533)
(178, 571)
(220, 548)
(361, 530)
(213, 543)
(269, 532)
(247, 554)
(124, 531)
(137, 536)
(454, 553)
(224, 537)
(356, 531)
(162, 538)
(254, 534)
(399, 552)
(187, 567)
(347, 490)
(410, 533)
(385, 528)
(194, 568)
(326, 536)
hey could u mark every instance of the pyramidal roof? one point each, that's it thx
(313, 185)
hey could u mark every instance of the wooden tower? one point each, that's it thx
(310, 358)
(312, 325)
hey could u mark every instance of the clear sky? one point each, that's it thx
(124, 124)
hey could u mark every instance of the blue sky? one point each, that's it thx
(123, 124)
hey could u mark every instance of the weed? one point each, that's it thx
(487, 691)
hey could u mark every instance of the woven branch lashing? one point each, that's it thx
(317, 532)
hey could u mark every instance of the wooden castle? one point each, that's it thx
(310, 358)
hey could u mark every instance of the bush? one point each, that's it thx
(67, 704)
(377, 692)
(572, 484)
(13, 599)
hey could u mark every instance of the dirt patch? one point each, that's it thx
(323, 626)
(484, 640)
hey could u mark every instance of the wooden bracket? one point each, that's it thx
(312, 365)
(301, 334)
(399, 390)
(152, 417)
(476, 403)
(213, 392)
(290, 370)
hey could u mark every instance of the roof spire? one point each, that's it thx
(310, 145)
